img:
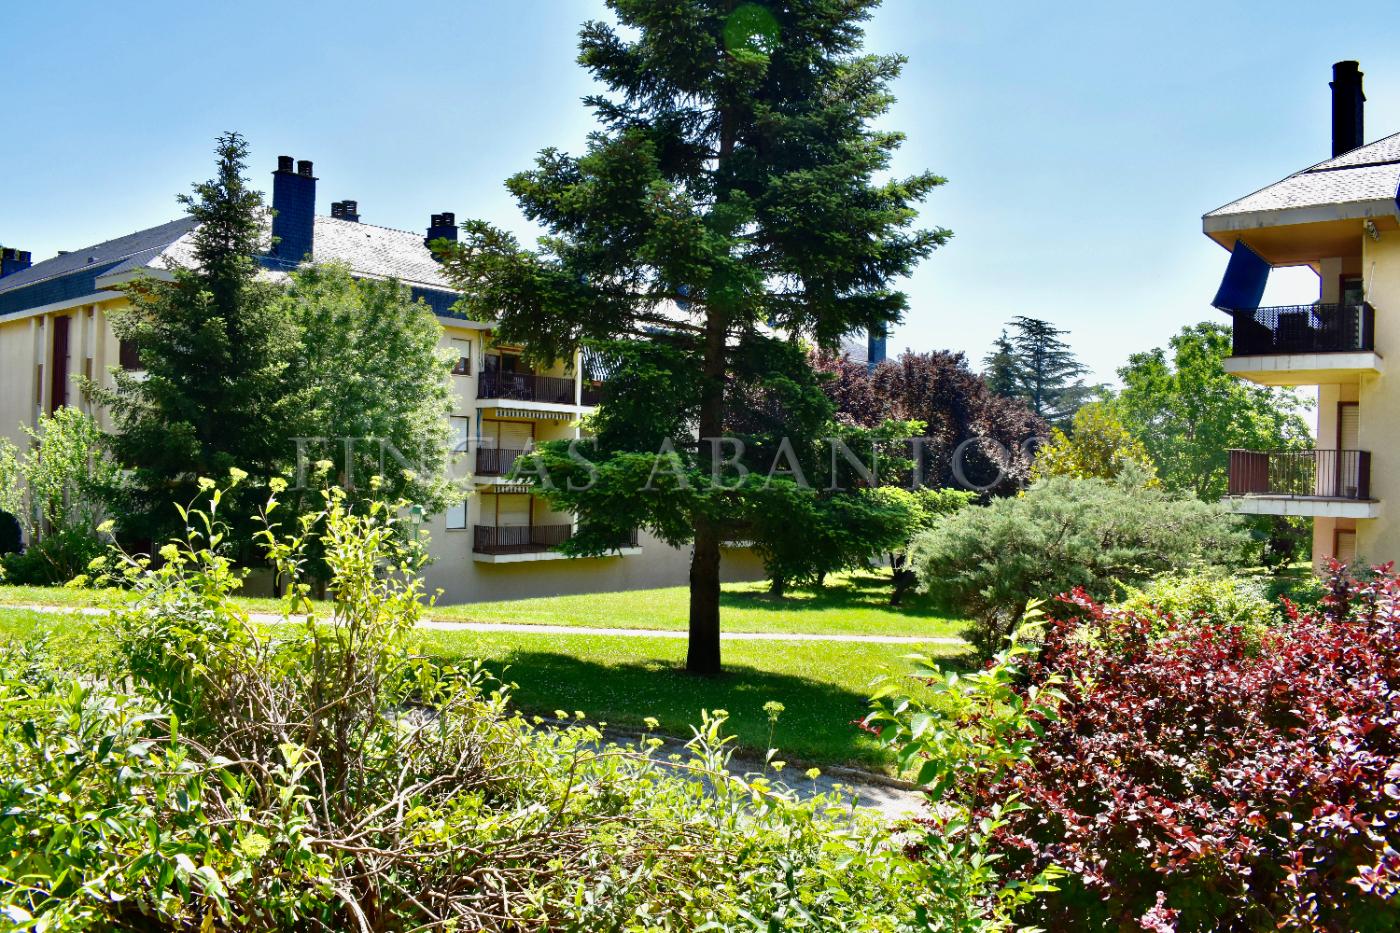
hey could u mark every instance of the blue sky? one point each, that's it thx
(1082, 141)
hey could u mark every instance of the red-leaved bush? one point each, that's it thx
(1198, 779)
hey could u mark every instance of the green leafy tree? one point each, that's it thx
(1098, 446)
(1036, 365)
(369, 368)
(215, 345)
(736, 182)
(1189, 413)
(57, 494)
(1062, 533)
(929, 506)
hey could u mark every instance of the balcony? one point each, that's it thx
(496, 461)
(592, 393)
(511, 543)
(1304, 344)
(519, 539)
(1326, 483)
(526, 387)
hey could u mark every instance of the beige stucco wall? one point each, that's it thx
(1378, 539)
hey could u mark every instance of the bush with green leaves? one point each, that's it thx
(1222, 598)
(55, 491)
(1063, 533)
(320, 774)
(965, 732)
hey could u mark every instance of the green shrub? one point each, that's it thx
(1202, 594)
(1063, 533)
(54, 559)
(326, 776)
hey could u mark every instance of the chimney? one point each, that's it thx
(13, 260)
(441, 227)
(294, 201)
(346, 210)
(874, 347)
(1348, 108)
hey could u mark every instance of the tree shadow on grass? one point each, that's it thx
(863, 591)
(816, 726)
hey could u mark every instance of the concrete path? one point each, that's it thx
(267, 618)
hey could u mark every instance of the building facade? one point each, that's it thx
(502, 542)
(1341, 218)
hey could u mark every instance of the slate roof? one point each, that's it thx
(369, 251)
(1363, 176)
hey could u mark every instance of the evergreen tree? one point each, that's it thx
(215, 345)
(736, 182)
(1037, 365)
(1000, 372)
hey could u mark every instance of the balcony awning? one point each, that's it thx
(1245, 277)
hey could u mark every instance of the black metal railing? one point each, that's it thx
(1319, 328)
(496, 461)
(526, 387)
(591, 393)
(519, 539)
(1324, 474)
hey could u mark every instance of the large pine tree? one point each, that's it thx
(215, 344)
(1037, 365)
(735, 183)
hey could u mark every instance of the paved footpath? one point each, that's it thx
(268, 618)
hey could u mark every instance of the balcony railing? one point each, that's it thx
(1315, 328)
(496, 461)
(528, 539)
(519, 539)
(1315, 474)
(592, 393)
(526, 387)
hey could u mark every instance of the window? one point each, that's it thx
(457, 516)
(462, 349)
(128, 355)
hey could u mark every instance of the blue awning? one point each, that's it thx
(1245, 277)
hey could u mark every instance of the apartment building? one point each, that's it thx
(1341, 218)
(502, 542)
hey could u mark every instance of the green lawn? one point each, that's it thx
(852, 604)
(622, 680)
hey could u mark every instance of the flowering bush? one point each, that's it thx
(1195, 780)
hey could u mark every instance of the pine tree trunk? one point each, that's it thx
(703, 656)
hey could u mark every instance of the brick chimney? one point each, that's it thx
(1348, 108)
(294, 200)
(12, 261)
(346, 210)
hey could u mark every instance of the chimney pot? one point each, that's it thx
(284, 164)
(13, 260)
(441, 227)
(1348, 108)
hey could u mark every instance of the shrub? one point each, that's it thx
(1063, 533)
(1190, 779)
(1208, 596)
(58, 557)
(325, 776)
(959, 735)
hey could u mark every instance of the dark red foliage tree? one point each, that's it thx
(1199, 778)
(939, 389)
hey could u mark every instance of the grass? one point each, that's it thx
(622, 680)
(851, 604)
